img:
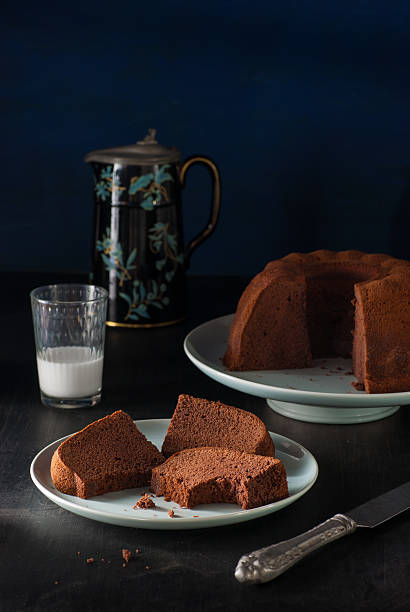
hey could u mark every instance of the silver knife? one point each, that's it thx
(266, 563)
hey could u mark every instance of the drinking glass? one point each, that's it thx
(69, 330)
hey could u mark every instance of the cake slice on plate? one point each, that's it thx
(213, 475)
(108, 455)
(200, 422)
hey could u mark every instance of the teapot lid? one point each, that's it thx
(145, 152)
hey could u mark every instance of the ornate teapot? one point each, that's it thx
(139, 252)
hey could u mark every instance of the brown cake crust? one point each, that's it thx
(200, 422)
(300, 306)
(220, 475)
(110, 454)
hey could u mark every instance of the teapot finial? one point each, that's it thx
(149, 138)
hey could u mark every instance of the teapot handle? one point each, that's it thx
(214, 214)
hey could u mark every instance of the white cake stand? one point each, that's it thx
(321, 394)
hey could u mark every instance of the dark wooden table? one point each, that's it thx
(145, 370)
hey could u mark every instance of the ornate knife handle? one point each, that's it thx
(266, 563)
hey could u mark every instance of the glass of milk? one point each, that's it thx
(69, 329)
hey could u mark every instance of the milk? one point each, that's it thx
(69, 372)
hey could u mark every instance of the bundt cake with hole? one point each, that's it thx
(213, 475)
(201, 422)
(325, 304)
(110, 454)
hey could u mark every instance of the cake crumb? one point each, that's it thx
(167, 498)
(124, 565)
(90, 560)
(196, 515)
(358, 386)
(349, 373)
(144, 502)
(147, 567)
(171, 513)
(78, 552)
(126, 554)
(56, 582)
(102, 560)
(137, 550)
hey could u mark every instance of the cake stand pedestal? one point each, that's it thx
(331, 414)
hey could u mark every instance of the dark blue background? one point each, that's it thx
(305, 107)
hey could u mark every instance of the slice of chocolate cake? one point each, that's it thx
(108, 455)
(213, 475)
(200, 422)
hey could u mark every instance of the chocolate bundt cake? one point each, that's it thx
(200, 422)
(108, 455)
(307, 306)
(213, 475)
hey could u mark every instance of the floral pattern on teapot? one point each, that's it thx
(149, 186)
(140, 297)
(107, 184)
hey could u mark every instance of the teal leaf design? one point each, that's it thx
(180, 258)
(172, 241)
(134, 317)
(161, 175)
(169, 275)
(136, 283)
(106, 173)
(102, 190)
(165, 300)
(125, 297)
(160, 264)
(142, 311)
(140, 183)
(108, 262)
(147, 204)
(156, 246)
(142, 292)
(131, 258)
(163, 287)
(157, 305)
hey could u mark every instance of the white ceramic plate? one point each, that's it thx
(321, 394)
(117, 508)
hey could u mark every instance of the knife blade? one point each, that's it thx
(382, 508)
(266, 563)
